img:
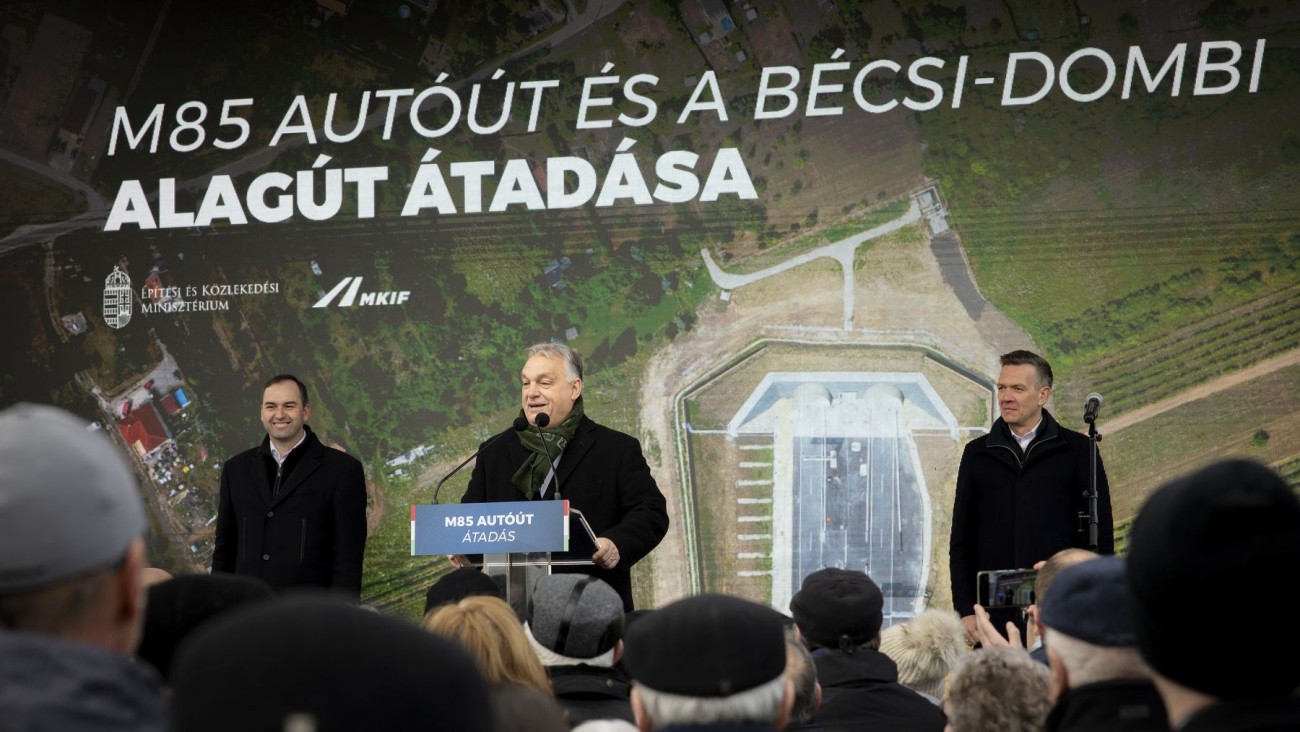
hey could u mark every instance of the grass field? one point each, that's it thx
(1142, 258)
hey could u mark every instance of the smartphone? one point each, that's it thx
(1006, 587)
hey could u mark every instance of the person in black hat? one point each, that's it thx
(458, 585)
(838, 613)
(1233, 524)
(321, 664)
(1099, 682)
(178, 606)
(709, 662)
(575, 624)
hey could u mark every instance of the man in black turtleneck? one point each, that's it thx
(292, 511)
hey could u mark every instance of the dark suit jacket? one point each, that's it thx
(1012, 510)
(603, 474)
(312, 534)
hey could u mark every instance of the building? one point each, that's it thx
(143, 429)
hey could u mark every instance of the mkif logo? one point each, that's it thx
(354, 297)
(117, 298)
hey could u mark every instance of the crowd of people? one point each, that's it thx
(90, 639)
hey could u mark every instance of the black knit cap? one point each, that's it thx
(838, 608)
(458, 585)
(180, 605)
(340, 666)
(706, 646)
(1222, 536)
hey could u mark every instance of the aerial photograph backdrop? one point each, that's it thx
(790, 239)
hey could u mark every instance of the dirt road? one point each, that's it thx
(1209, 388)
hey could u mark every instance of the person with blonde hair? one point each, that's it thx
(488, 630)
(997, 689)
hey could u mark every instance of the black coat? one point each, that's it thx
(1120, 705)
(1265, 715)
(590, 692)
(603, 474)
(312, 534)
(1011, 512)
(860, 691)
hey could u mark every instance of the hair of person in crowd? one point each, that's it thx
(516, 708)
(925, 649)
(153, 575)
(802, 672)
(997, 689)
(490, 631)
(572, 359)
(1067, 557)
(1029, 358)
(606, 725)
(280, 378)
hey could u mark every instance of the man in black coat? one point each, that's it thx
(838, 614)
(292, 511)
(600, 471)
(1021, 488)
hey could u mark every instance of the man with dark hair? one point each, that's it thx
(1234, 524)
(838, 613)
(71, 598)
(1021, 489)
(292, 511)
(601, 471)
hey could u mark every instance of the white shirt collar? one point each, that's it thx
(1029, 436)
(280, 457)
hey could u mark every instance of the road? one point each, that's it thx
(1209, 388)
(841, 251)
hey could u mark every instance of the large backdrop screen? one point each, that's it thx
(790, 238)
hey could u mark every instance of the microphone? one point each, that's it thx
(1092, 409)
(520, 424)
(542, 419)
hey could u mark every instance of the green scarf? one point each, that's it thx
(528, 478)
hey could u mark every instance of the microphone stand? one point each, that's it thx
(541, 420)
(1093, 518)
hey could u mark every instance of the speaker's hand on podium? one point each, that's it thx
(458, 560)
(606, 556)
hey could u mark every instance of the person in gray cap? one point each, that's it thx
(1099, 682)
(709, 662)
(575, 624)
(72, 552)
(1196, 543)
(838, 614)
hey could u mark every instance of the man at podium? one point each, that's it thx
(600, 471)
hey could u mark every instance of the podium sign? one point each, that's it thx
(490, 528)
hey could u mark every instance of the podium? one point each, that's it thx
(518, 541)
